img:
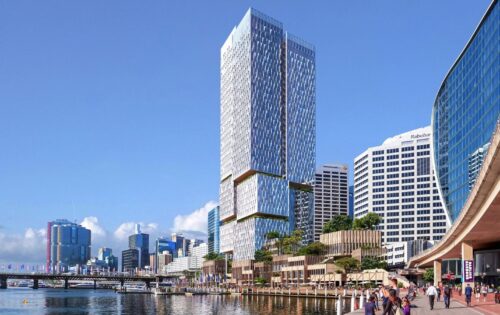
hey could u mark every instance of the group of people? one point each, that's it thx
(478, 291)
(434, 293)
(392, 304)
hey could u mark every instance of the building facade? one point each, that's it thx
(466, 111)
(267, 134)
(140, 241)
(130, 260)
(398, 254)
(214, 230)
(68, 244)
(343, 243)
(331, 195)
(397, 181)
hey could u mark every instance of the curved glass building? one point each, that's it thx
(466, 111)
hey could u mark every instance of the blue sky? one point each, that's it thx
(110, 109)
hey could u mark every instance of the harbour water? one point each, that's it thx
(82, 301)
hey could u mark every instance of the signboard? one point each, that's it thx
(468, 271)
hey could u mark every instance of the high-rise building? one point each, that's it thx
(268, 108)
(192, 244)
(164, 259)
(140, 241)
(68, 244)
(396, 180)
(466, 111)
(163, 245)
(178, 239)
(130, 260)
(213, 230)
(331, 195)
(104, 252)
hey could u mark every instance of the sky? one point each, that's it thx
(109, 110)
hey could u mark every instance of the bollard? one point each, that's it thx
(361, 301)
(353, 302)
(339, 306)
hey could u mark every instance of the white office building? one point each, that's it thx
(397, 254)
(331, 195)
(192, 262)
(396, 180)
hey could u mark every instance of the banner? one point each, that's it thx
(468, 271)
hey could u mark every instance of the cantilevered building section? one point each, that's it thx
(331, 195)
(396, 180)
(267, 134)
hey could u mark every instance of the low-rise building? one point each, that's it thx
(297, 270)
(343, 243)
(242, 272)
(326, 273)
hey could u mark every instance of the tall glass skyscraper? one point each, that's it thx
(466, 111)
(140, 241)
(214, 231)
(68, 244)
(268, 108)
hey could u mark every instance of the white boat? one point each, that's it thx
(131, 288)
(83, 285)
(23, 284)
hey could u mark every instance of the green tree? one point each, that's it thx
(260, 280)
(313, 249)
(272, 235)
(213, 256)
(373, 263)
(338, 223)
(368, 222)
(428, 275)
(292, 243)
(263, 255)
(348, 264)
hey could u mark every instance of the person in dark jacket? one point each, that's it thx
(393, 303)
(447, 296)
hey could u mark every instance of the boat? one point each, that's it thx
(129, 288)
(83, 285)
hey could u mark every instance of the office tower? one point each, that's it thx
(330, 195)
(351, 201)
(193, 243)
(267, 134)
(213, 230)
(130, 260)
(164, 259)
(396, 180)
(68, 244)
(178, 239)
(162, 245)
(104, 252)
(466, 111)
(140, 241)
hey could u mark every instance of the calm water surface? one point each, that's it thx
(81, 301)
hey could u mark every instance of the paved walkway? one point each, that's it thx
(421, 306)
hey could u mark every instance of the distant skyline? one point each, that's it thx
(109, 112)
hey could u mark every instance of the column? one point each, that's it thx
(95, 284)
(35, 284)
(467, 254)
(437, 272)
(66, 283)
(3, 283)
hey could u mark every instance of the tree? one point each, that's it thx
(368, 222)
(428, 275)
(272, 235)
(373, 263)
(291, 244)
(213, 256)
(260, 280)
(338, 223)
(348, 264)
(263, 255)
(313, 249)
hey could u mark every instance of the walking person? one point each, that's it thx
(393, 306)
(406, 306)
(370, 306)
(477, 291)
(484, 291)
(447, 296)
(438, 289)
(431, 292)
(468, 294)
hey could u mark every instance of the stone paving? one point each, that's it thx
(421, 306)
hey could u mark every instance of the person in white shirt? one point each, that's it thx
(431, 292)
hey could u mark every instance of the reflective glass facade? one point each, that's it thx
(68, 245)
(267, 133)
(213, 231)
(466, 111)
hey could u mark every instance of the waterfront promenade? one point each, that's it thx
(420, 306)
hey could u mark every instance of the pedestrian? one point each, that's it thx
(384, 293)
(377, 295)
(438, 290)
(484, 291)
(447, 296)
(394, 285)
(468, 294)
(477, 291)
(370, 306)
(393, 304)
(406, 306)
(431, 292)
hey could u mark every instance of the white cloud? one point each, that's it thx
(195, 222)
(27, 248)
(128, 228)
(92, 223)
